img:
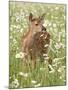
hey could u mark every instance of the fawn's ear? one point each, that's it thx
(42, 17)
(30, 16)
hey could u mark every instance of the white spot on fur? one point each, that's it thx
(41, 35)
(46, 58)
(46, 45)
(45, 55)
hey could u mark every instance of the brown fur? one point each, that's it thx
(35, 40)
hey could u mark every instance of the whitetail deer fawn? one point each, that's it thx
(36, 40)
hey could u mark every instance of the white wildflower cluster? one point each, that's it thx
(15, 26)
(46, 23)
(20, 55)
(14, 84)
(14, 41)
(24, 74)
(61, 69)
(59, 45)
(19, 17)
(57, 61)
(35, 84)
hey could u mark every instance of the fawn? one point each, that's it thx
(36, 40)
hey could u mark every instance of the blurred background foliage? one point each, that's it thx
(54, 22)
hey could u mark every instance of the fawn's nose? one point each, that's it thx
(36, 23)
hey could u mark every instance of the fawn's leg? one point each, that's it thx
(33, 64)
(33, 61)
(47, 58)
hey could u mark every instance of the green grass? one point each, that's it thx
(22, 75)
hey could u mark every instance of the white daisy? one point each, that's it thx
(15, 83)
(20, 55)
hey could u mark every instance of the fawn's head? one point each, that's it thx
(36, 23)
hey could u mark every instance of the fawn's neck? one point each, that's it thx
(31, 32)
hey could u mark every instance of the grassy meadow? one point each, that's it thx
(21, 75)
